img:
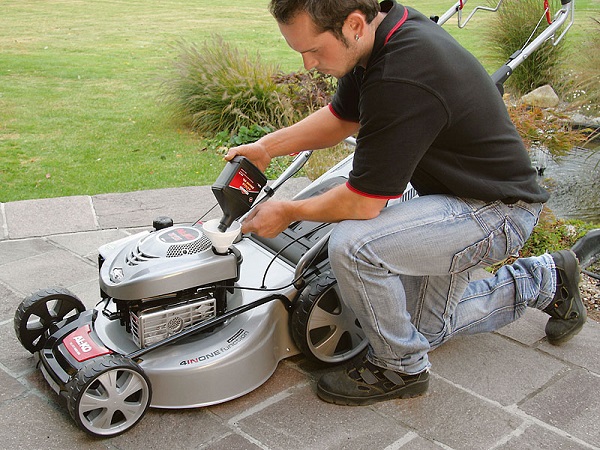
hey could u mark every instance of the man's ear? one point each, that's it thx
(355, 24)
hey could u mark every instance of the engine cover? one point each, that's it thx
(151, 264)
(155, 324)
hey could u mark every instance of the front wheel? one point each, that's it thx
(322, 326)
(39, 311)
(108, 396)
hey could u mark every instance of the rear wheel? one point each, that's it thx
(108, 396)
(323, 327)
(39, 311)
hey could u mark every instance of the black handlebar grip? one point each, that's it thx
(500, 76)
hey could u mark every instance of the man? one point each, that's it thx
(426, 112)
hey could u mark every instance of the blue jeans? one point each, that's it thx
(410, 275)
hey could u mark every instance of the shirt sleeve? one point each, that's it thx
(344, 103)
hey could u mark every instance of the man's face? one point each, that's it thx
(321, 51)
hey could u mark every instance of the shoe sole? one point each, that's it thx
(415, 389)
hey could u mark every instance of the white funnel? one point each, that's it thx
(220, 240)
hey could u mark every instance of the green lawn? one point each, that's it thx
(79, 82)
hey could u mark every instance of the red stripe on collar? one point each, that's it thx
(398, 25)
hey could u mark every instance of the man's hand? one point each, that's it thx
(340, 203)
(268, 219)
(255, 152)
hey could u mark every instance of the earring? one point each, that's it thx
(356, 37)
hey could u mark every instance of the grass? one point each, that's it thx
(79, 84)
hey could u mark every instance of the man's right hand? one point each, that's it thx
(255, 152)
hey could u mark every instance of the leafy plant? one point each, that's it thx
(549, 235)
(306, 91)
(545, 128)
(221, 141)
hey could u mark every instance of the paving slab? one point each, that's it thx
(10, 388)
(183, 205)
(28, 218)
(171, 429)
(535, 437)
(56, 267)
(581, 350)
(494, 367)
(298, 419)
(139, 209)
(86, 244)
(12, 251)
(453, 416)
(231, 441)
(29, 422)
(571, 404)
(528, 330)
(10, 302)
(14, 359)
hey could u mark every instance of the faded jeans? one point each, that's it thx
(410, 275)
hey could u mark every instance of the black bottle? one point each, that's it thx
(236, 189)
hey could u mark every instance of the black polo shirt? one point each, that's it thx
(430, 114)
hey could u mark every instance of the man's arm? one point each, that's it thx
(319, 130)
(340, 203)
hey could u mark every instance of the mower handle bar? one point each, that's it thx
(457, 8)
(566, 11)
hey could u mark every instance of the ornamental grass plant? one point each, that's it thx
(586, 77)
(510, 28)
(217, 87)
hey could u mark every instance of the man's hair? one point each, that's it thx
(328, 15)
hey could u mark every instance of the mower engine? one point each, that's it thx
(162, 282)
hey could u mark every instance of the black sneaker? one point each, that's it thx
(361, 382)
(567, 311)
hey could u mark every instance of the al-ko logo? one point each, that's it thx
(81, 346)
(234, 340)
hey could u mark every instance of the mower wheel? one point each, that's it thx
(323, 327)
(39, 311)
(109, 395)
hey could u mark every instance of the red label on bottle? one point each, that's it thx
(244, 183)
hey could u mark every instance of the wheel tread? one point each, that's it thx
(20, 319)
(302, 311)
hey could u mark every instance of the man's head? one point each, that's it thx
(327, 15)
(333, 36)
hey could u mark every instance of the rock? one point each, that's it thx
(543, 97)
(582, 121)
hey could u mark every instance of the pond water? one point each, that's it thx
(574, 184)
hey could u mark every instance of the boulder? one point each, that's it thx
(542, 97)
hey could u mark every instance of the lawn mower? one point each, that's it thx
(195, 315)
